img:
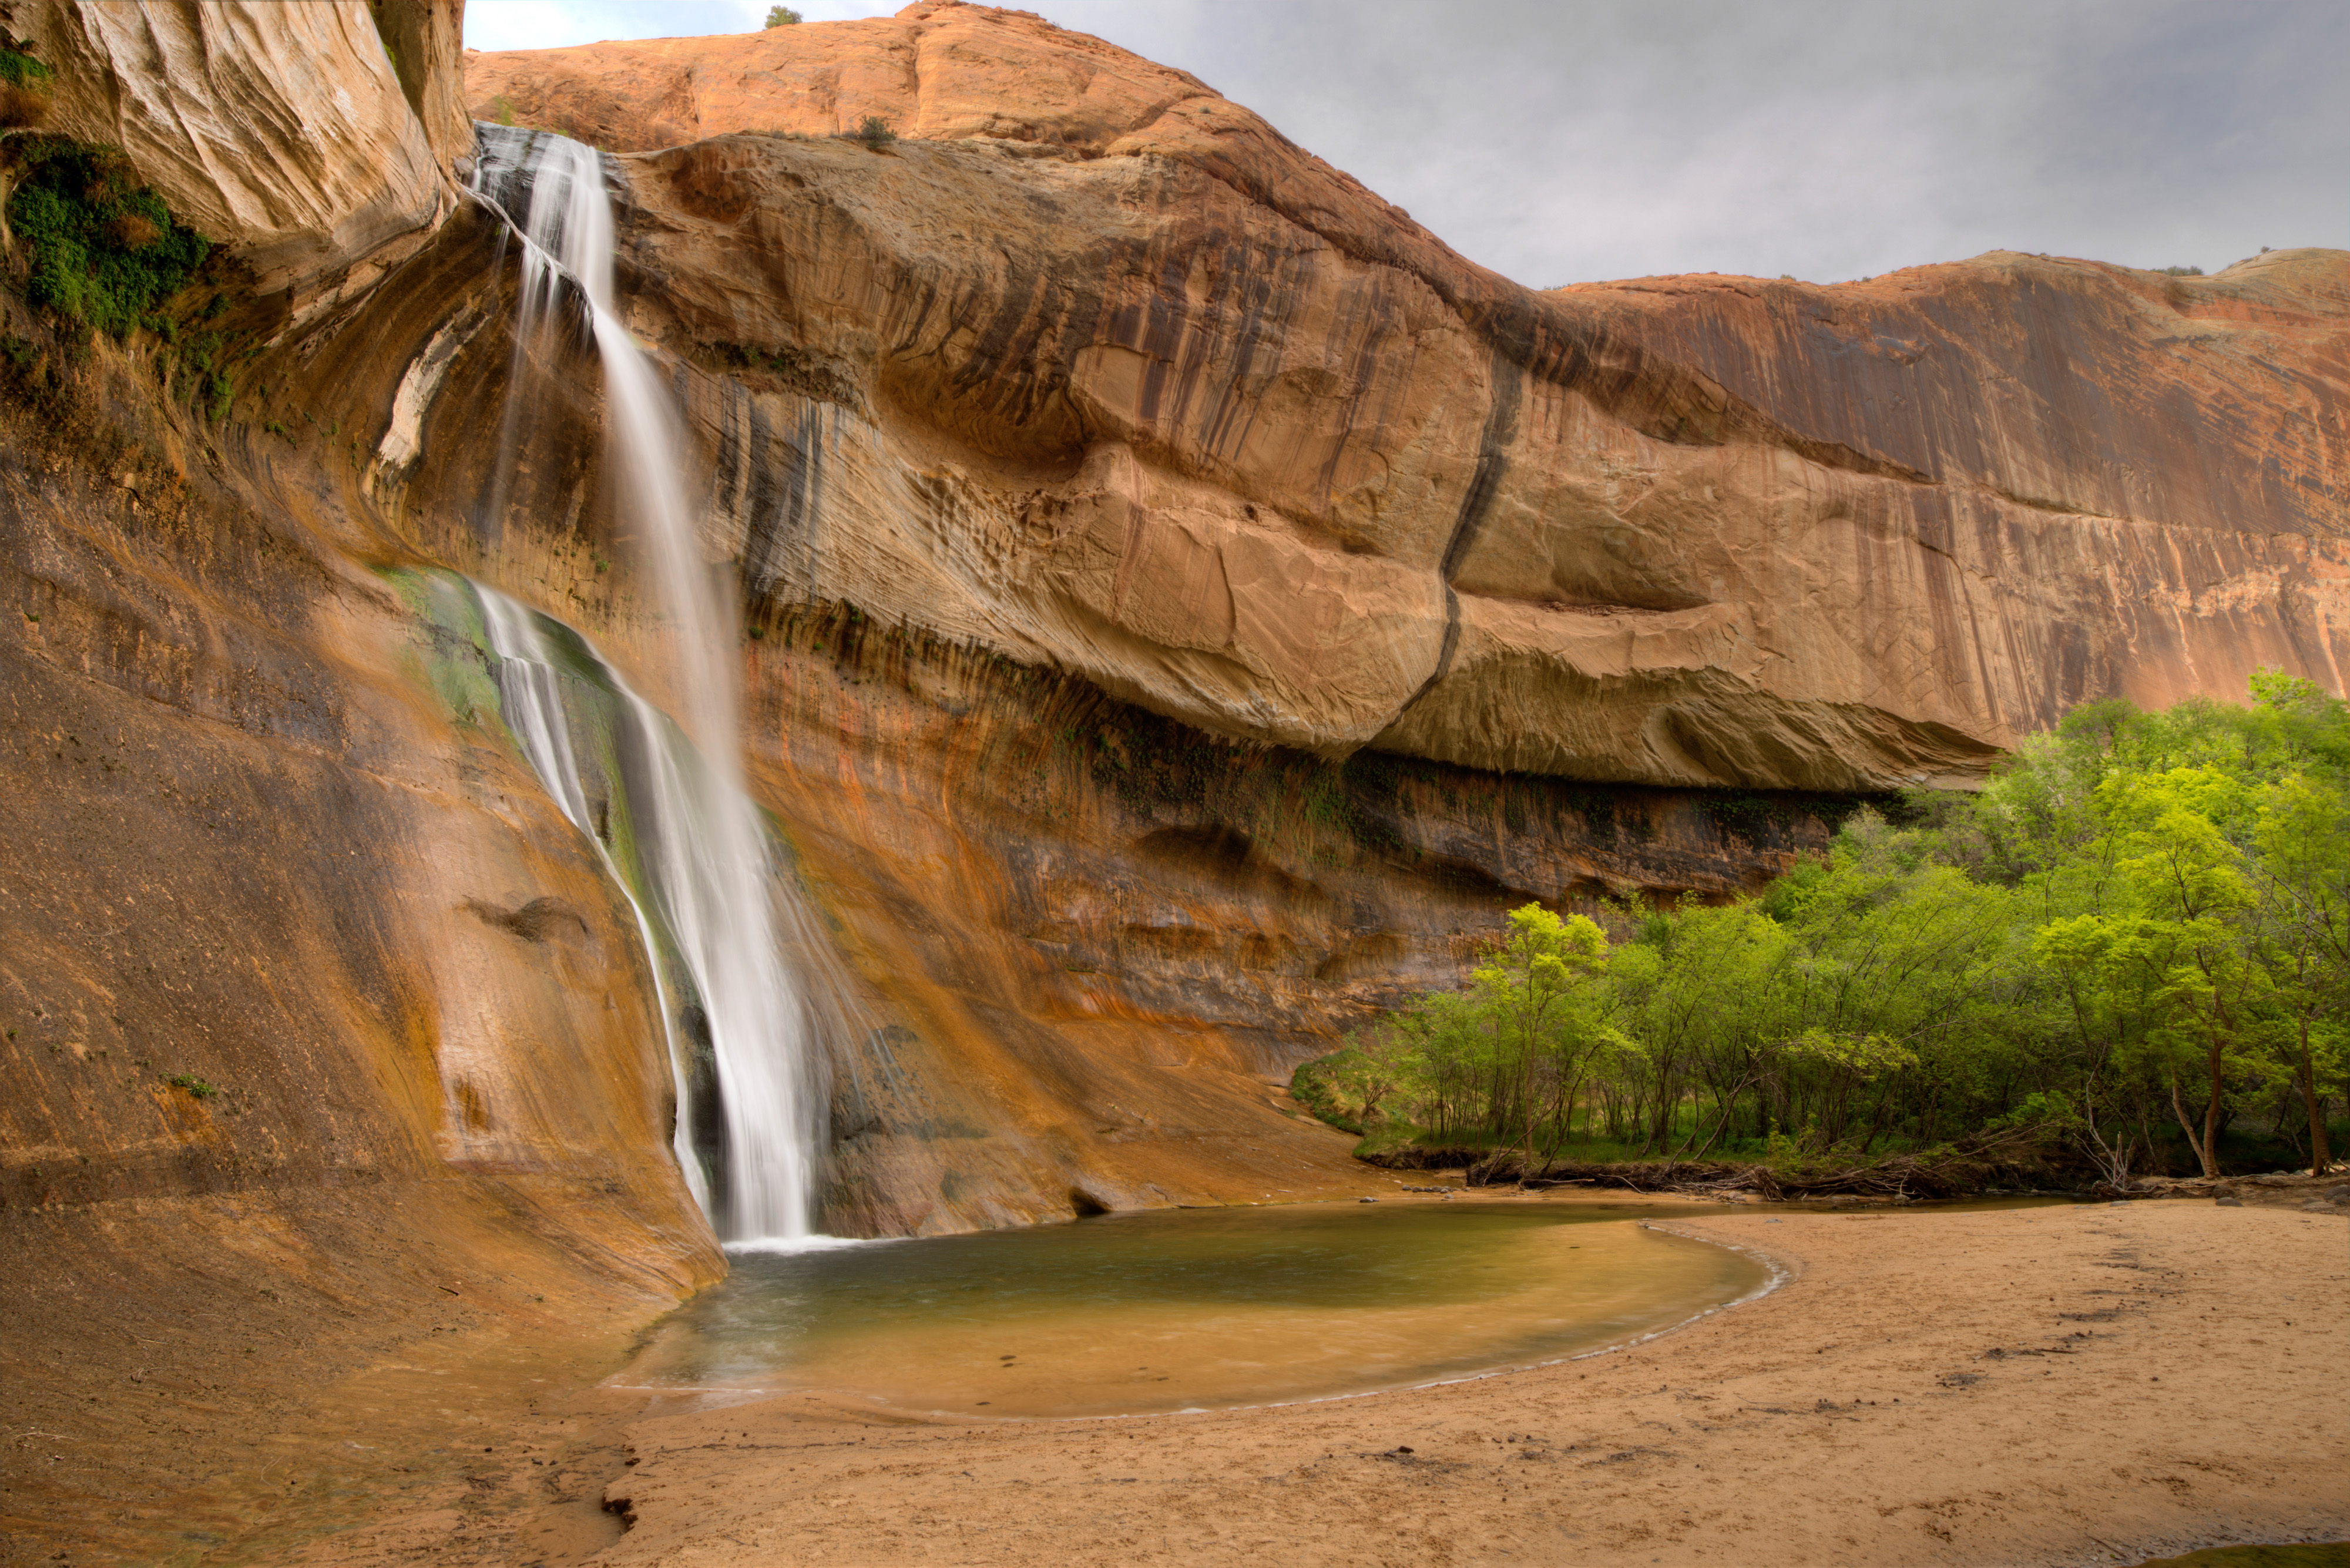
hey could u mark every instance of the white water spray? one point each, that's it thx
(702, 851)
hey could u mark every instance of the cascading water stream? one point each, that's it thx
(530, 697)
(701, 851)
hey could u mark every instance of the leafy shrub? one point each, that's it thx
(782, 16)
(1312, 1086)
(875, 132)
(23, 100)
(103, 248)
(17, 68)
(196, 1088)
(2182, 272)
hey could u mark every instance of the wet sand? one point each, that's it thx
(2076, 1384)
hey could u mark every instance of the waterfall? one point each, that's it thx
(748, 1127)
(530, 698)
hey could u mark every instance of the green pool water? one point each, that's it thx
(1191, 1309)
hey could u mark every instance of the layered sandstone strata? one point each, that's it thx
(1091, 384)
(1095, 368)
(1085, 937)
(283, 131)
(282, 916)
(1092, 376)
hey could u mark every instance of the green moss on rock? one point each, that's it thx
(103, 248)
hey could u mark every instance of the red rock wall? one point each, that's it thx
(1120, 379)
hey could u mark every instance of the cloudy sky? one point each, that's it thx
(1564, 141)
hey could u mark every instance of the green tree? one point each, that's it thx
(1531, 999)
(2111, 1007)
(2302, 836)
(782, 16)
(2143, 917)
(1700, 987)
(1380, 1065)
(2197, 916)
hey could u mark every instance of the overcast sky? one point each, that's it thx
(1559, 142)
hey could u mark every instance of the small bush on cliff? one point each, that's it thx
(23, 100)
(17, 67)
(102, 247)
(195, 1088)
(2182, 272)
(782, 16)
(874, 132)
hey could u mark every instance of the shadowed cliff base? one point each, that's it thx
(1098, 933)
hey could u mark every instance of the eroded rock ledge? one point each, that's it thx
(1096, 368)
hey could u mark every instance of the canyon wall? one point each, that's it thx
(285, 909)
(323, 1032)
(1094, 368)
(1086, 935)
(1248, 597)
(1184, 604)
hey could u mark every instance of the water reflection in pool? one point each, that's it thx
(1191, 1309)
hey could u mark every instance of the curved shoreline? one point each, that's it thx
(2037, 1385)
(2058, 1385)
(1770, 1272)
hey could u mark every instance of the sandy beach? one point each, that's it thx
(2045, 1385)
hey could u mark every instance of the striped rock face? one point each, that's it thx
(1089, 427)
(1184, 602)
(1093, 368)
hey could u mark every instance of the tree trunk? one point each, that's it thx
(1728, 1103)
(2211, 1115)
(2187, 1126)
(1566, 1118)
(1875, 1129)
(2319, 1158)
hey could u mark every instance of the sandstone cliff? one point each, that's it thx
(322, 1032)
(1096, 368)
(1093, 391)
(1186, 603)
(1088, 935)
(282, 131)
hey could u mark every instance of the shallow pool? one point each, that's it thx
(1191, 1309)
